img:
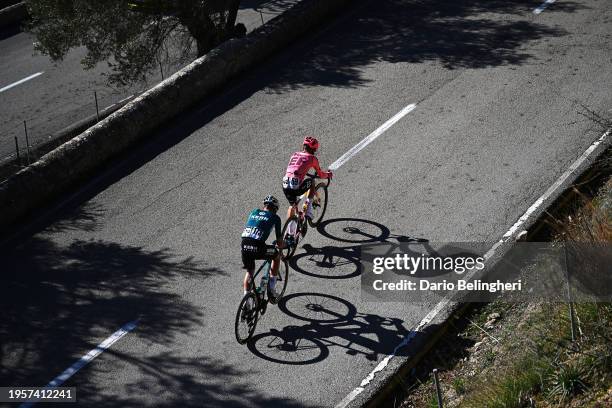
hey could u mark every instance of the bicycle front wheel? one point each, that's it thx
(319, 205)
(246, 318)
(290, 237)
(281, 283)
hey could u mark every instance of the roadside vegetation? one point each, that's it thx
(502, 355)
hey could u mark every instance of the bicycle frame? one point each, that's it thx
(296, 208)
(255, 302)
(296, 225)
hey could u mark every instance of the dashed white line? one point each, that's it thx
(505, 238)
(371, 137)
(21, 81)
(87, 358)
(543, 6)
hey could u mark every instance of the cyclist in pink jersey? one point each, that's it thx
(295, 182)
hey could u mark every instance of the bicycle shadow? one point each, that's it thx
(330, 321)
(345, 262)
(371, 242)
(327, 262)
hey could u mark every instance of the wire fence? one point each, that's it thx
(25, 138)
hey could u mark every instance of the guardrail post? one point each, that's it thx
(97, 109)
(438, 390)
(25, 128)
(572, 315)
(17, 150)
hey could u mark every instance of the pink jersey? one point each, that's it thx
(300, 163)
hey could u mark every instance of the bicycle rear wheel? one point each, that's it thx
(319, 204)
(246, 318)
(290, 240)
(281, 283)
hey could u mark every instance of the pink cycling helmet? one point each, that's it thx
(311, 142)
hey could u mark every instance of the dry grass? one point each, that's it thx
(536, 363)
(592, 222)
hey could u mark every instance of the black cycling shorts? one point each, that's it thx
(293, 196)
(253, 249)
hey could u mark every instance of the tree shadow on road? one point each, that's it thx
(457, 34)
(170, 380)
(56, 299)
(9, 31)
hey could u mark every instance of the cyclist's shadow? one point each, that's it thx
(329, 321)
(345, 262)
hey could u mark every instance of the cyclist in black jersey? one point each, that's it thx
(254, 236)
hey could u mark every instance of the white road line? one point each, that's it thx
(87, 358)
(371, 137)
(543, 6)
(505, 238)
(21, 81)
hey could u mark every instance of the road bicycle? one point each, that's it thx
(255, 302)
(296, 226)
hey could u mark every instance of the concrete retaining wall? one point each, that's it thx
(12, 14)
(7, 3)
(72, 162)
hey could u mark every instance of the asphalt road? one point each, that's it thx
(156, 239)
(64, 92)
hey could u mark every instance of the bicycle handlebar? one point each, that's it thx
(315, 176)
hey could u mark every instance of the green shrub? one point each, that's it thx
(567, 381)
(459, 385)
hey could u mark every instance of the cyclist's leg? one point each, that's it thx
(247, 278)
(275, 265)
(291, 211)
(272, 254)
(274, 273)
(311, 189)
(292, 199)
(249, 252)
